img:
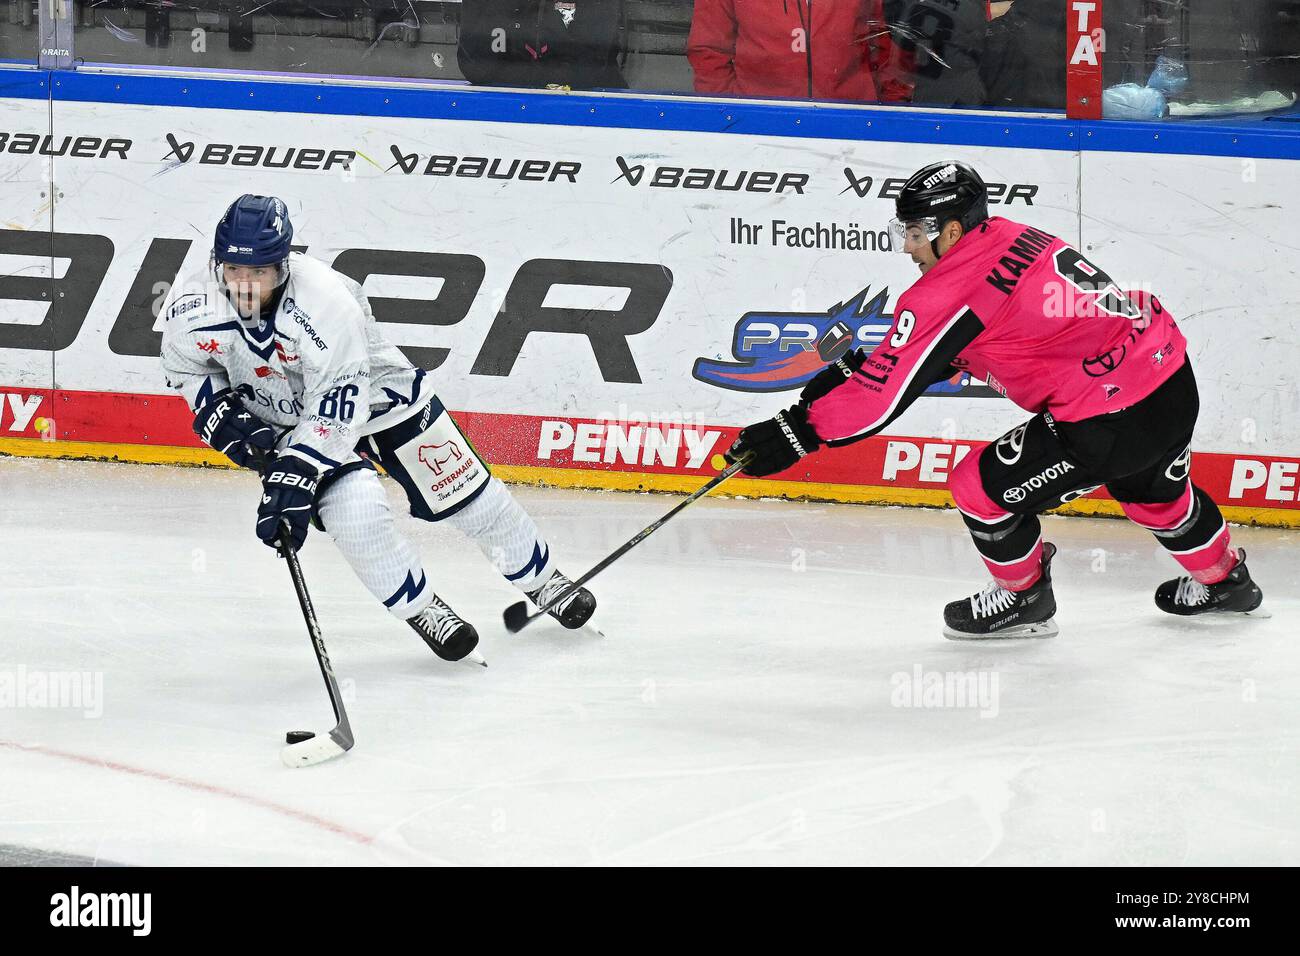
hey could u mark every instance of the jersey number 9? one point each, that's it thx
(904, 323)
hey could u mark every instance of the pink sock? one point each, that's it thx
(1210, 564)
(1021, 574)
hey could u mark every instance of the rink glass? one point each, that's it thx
(19, 37)
(1179, 58)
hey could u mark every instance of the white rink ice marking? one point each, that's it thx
(739, 710)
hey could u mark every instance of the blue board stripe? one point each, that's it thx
(1248, 137)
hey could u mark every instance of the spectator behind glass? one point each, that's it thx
(941, 47)
(819, 49)
(1024, 64)
(538, 43)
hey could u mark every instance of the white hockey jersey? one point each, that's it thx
(318, 366)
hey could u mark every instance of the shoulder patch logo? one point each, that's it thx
(187, 304)
(436, 456)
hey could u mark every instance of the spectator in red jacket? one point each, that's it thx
(819, 49)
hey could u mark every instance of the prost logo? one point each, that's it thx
(776, 351)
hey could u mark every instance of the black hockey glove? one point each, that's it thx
(288, 491)
(229, 427)
(775, 444)
(831, 377)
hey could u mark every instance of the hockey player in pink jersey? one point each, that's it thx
(1104, 371)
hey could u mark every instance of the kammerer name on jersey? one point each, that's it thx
(318, 366)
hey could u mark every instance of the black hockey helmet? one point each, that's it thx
(934, 196)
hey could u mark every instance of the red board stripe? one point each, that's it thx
(1246, 480)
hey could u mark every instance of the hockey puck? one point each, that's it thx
(298, 736)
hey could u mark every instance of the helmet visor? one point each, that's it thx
(906, 234)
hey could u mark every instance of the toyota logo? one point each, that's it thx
(1181, 466)
(1106, 363)
(1014, 495)
(1078, 493)
(1013, 443)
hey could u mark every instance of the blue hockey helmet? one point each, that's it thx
(255, 231)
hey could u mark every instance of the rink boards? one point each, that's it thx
(608, 288)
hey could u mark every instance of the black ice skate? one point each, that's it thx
(998, 614)
(574, 610)
(1236, 593)
(447, 634)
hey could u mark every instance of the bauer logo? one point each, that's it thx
(80, 147)
(706, 178)
(267, 157)
(775, 351)
(866, 186)
(484, 167)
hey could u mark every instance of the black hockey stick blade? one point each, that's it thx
(516, 617)
(308, 753)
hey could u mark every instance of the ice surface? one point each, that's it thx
(745, 706)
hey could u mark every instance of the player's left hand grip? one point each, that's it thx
(776, 444)
(230, 428)
(288, 494)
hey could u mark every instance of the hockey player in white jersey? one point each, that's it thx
(285, 368)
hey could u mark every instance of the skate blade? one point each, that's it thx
(473, 657)
(1260, 612)
(1036, 631)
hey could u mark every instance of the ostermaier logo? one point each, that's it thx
(434, 457)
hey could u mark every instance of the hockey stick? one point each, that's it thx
(306, 752)
(314, 750)
(516, 615)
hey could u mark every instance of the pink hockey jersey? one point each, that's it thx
(1027, 313)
